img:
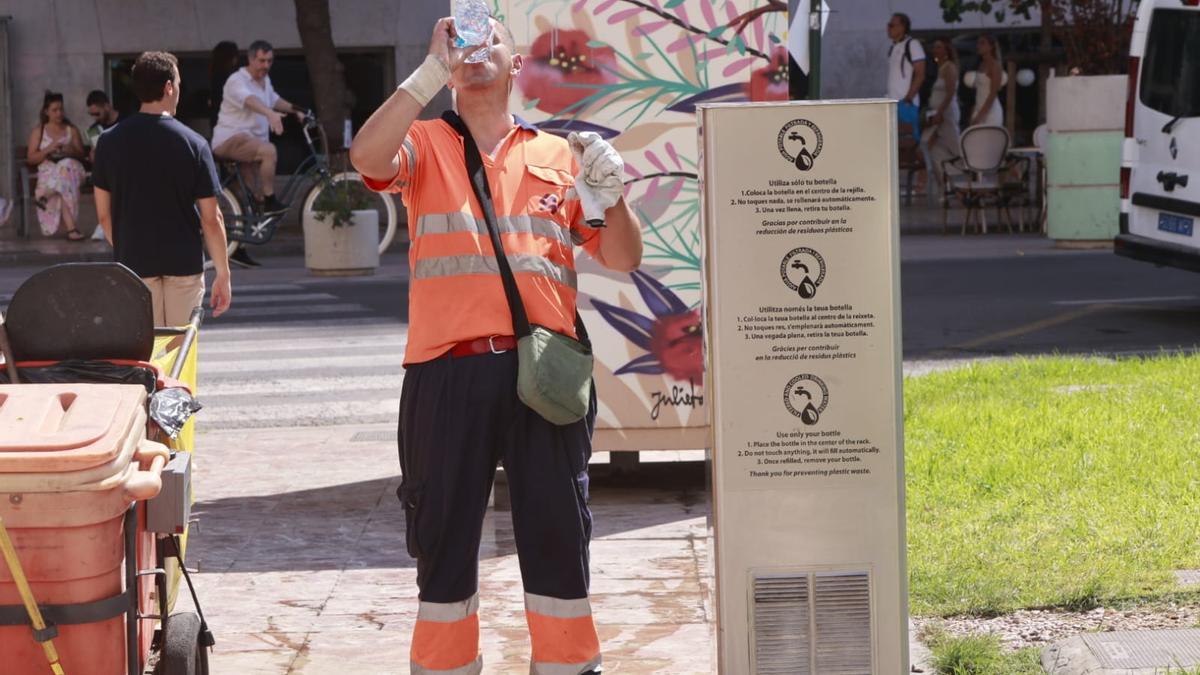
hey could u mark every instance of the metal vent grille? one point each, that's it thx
(843, 618)
(812, 623)
(782, 625)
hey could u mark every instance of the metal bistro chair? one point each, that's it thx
(1041, 137)
(975, 177)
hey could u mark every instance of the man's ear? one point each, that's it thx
(518, 62)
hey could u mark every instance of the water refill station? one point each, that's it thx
(802, 322)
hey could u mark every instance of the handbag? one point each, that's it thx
(554, 371)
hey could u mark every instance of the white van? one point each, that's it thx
(1160, 164)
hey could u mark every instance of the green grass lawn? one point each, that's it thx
(1052, 482)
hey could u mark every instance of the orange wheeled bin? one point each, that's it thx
(74, 461)
(96, 440)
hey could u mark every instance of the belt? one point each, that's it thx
(495, 344)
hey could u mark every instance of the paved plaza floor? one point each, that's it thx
(302, 566)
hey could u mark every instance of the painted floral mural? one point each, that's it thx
(634, 71)
(563, 70)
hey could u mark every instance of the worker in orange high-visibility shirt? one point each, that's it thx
(459, 412)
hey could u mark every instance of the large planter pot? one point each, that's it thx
(1085, 118)
(349, 250)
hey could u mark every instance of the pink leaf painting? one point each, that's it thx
(632, 171)
(624, 14)
(683, 42)
(738, 66)
(647, 29)
(758, 30)
(653, 159)
(730, 11)
(578, 6)
(674, 155)
(706, 7)
(603, 7)
(652, 189)
(681, 12)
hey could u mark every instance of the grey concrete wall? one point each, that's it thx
(854, 47)
(60, 44)
(7, 147)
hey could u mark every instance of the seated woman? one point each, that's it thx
(56, 148)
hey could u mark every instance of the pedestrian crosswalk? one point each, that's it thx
(290, 356)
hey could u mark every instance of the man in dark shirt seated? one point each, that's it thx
(100, 109)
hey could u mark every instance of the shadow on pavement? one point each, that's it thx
(361, 525)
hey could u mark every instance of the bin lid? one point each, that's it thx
(66, 427)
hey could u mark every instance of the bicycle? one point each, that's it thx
(246, 223)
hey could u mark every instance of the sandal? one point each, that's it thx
(75, 235)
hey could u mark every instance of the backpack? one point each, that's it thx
(907, 53)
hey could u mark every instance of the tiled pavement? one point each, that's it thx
(302, 567)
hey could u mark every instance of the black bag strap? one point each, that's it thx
(483, 193)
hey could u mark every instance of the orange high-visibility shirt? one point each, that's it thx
(456, 293)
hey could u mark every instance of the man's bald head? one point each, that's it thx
(505, 34)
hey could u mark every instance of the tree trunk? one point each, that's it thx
(324, 68)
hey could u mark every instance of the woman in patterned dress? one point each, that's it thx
(56, 148)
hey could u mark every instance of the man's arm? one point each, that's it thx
(375, 151)
(287, 107)
(621, 239)
(255, 104)
(213, 226)
(918, 79)
(104, 212)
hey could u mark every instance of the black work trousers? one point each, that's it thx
(459, 419)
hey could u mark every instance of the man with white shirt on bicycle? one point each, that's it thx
(250, 111)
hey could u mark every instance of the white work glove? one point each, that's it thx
(598, 186)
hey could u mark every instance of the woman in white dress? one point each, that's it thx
(941, 138)
(987, 85)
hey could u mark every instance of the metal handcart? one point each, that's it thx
(80, 337)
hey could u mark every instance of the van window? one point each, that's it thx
(1171, 69)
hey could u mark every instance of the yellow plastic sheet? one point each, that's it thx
(166, 351)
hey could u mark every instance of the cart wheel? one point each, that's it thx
(182, 652)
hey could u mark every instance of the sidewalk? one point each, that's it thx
(302, 566)
(920, 229)
(40, 251)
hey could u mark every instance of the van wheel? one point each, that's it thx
(183, 653)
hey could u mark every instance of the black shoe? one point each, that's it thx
(241, 257)
(272, 205)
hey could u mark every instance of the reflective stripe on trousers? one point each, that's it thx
(448, 456)
(446, 638)
(563, 635)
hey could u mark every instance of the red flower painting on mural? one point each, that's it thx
(560, 67)
(671, 335)
(770, 83)
(678, 342)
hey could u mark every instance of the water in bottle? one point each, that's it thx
(473, 27)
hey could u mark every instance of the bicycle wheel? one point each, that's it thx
(231, 211)
(384, 204)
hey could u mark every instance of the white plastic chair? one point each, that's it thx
(974, 177)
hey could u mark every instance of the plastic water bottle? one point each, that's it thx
(474, 28)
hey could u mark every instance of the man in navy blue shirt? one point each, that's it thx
(156, 188)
